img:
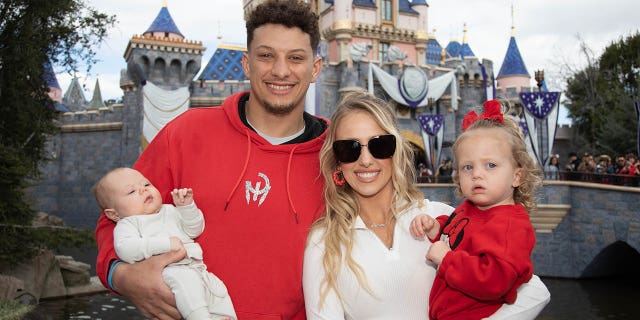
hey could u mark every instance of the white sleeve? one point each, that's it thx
(533, 296)
(131, 247)
(191, 220)
(312, 275)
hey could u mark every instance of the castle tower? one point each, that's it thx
(513, 75)
(161, 65)
(96, 101)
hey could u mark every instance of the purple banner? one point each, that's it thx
(539, 103)
(431, 123)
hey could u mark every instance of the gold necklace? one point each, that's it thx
(378, 225)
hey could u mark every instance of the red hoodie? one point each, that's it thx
(258, 200)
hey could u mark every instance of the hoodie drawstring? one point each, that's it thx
(244, 169)
(293, 208)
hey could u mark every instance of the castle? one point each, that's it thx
(159, 82)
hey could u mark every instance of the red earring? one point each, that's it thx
(338, 178)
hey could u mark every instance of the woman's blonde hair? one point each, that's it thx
(341, 205)
(531, 175)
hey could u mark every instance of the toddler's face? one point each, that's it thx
(132, 194)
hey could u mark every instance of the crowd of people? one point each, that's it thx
(622, 170)
(603, 169)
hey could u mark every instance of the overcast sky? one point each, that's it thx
(547, 31)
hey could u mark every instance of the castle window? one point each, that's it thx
(383, 49)
(386, 10)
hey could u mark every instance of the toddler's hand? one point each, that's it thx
(437, 251)
(422, 225)
(182, 197)
(176, 244)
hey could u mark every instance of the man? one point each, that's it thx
(253, 164)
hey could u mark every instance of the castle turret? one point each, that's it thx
(422, 35)
(513, 75)
(96, 101)
(161, 65)
(162, 55)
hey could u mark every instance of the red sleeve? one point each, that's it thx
(154, 163)
(106, 252)
(496, 265)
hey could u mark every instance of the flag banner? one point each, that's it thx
(539, 104)
(431, 123)
(432, 126)
(527, 138)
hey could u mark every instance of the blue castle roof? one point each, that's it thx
(50, 76)
(453, 49)
(417, 2)
(164, 23)
(434, 50)
(363, 3)
(225, 64)
(405, 6)
(465, 51)
(513, 63)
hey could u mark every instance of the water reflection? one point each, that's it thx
(103, 306)
(604, 298)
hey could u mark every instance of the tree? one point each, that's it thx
(601, 98)
(32, 34)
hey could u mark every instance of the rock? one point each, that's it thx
(44, 219)
(74, 273)
(41, 276)
(10, 287)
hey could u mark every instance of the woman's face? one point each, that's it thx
(368, 176)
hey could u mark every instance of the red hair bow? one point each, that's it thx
(492, 112)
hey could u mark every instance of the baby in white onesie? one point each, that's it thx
(146, 227)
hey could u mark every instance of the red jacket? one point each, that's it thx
(490, 259)
(258, 200)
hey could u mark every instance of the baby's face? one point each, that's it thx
(132, 194)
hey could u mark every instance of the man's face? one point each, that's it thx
(280, 65)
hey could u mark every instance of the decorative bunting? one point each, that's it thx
(539, 103)
(431, 123)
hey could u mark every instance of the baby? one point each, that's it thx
(146, 227)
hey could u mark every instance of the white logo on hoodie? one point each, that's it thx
(257, 191)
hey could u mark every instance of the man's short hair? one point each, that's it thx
(289, 13)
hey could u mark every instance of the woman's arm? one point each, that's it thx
(533, 296)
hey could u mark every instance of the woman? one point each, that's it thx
(552, 169)
(361, 261)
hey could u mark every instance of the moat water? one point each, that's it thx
(605, 298)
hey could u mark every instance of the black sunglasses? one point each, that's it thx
(381, 147)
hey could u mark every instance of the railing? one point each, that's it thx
(613, 179)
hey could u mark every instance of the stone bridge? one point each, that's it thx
(582, 229)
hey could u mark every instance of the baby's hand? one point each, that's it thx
(424, 225)
(176, 244)
(182, 197)
(437, 251)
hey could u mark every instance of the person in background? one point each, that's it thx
(552, 169)
(145, 227)
(444, 172)
(253, 166)
(361, 262)
(483, 249)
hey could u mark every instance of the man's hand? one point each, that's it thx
(424, 225)
(143, 285)
(182, 197)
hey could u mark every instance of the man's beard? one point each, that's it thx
(279, 110)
